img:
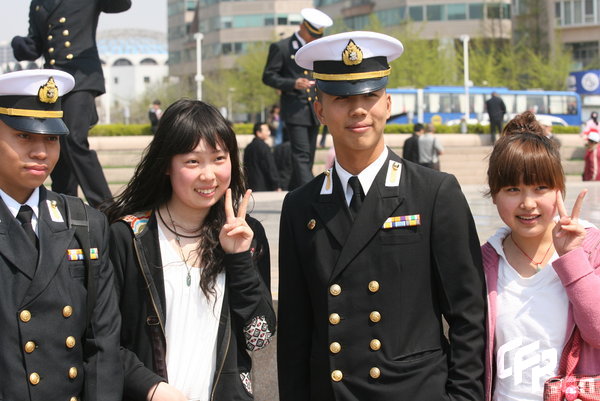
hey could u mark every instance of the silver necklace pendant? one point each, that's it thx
(188, 279)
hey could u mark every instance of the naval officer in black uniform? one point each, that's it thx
(373, 253)
(297, 93)
(64, 32)
(47, 353)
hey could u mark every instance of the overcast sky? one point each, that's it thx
(145, 14)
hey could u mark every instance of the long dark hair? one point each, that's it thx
(181, 128)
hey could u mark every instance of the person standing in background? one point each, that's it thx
(496, 109)
(154, 115)
(410, 149)
(259, 163)
(591, 169)
(430, 148)
(275, 123)
(64, 32)
(297, 93)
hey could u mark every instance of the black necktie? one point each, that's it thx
(24, 217)
(357, 196)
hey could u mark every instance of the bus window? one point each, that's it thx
(432, 102)
(449, 103)
(403, 103)
(562, 104)
(537, 104)
(509, 102)
(520, 104)
(477, 103)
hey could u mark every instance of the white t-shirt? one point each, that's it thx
(191, 325)
(531, 325)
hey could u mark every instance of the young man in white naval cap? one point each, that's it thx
(297, 93)
(373, 253)
(60, 327)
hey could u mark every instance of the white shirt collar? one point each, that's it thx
(366, 177)
(32, 202)
(302, 41)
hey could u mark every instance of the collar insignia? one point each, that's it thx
(352, 55)
(49, 92)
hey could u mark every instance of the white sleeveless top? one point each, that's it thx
(191, 326)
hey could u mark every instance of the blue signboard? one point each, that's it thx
(584, 82)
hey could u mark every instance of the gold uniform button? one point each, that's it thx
(310, 99)
(337, 375)
(69, 56)
(51, 50)
(70, 342)
(62, 20)
(52, 62)
(37, 8)
(29, 347)
(312, 223)
(67, 311)
(34, 378)
(67, 44)
(305, 72)
(374, 373)
(373, 286)
(66, 32)
(335, 347)
(375, 344)
(25, 316)
(375, 316)
(335, 290)
(334, 318)
(72, 373)
(50, 37)
(74, 399)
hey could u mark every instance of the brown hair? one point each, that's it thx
(523, 154)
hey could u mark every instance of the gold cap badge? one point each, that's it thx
(352, 55)
(49, 92)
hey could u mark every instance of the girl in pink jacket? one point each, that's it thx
(542, 271)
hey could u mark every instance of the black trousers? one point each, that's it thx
(495, 126)
(304, 144)
(78, 165)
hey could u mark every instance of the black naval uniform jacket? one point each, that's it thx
(43, 312)
(260, 167)
(360, 307)
(64, 32)
(281, 72)
(247, 319)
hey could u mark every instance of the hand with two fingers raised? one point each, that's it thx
(236, 236)
(568, 234)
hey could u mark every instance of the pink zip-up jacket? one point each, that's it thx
(579, 271)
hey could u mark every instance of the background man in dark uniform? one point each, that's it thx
(373, 253)
(410, 149)
(297, 93)
(47, 354)
(496, 110)
(259, 163)
(64, 32)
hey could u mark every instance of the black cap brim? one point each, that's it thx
(350, 88)
(44, 126)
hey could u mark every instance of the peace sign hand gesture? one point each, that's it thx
(236, 236)
(568, 233)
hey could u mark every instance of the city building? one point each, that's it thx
(132, 62)
(228, 29)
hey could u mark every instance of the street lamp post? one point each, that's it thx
(465, 40)
(199, 76)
